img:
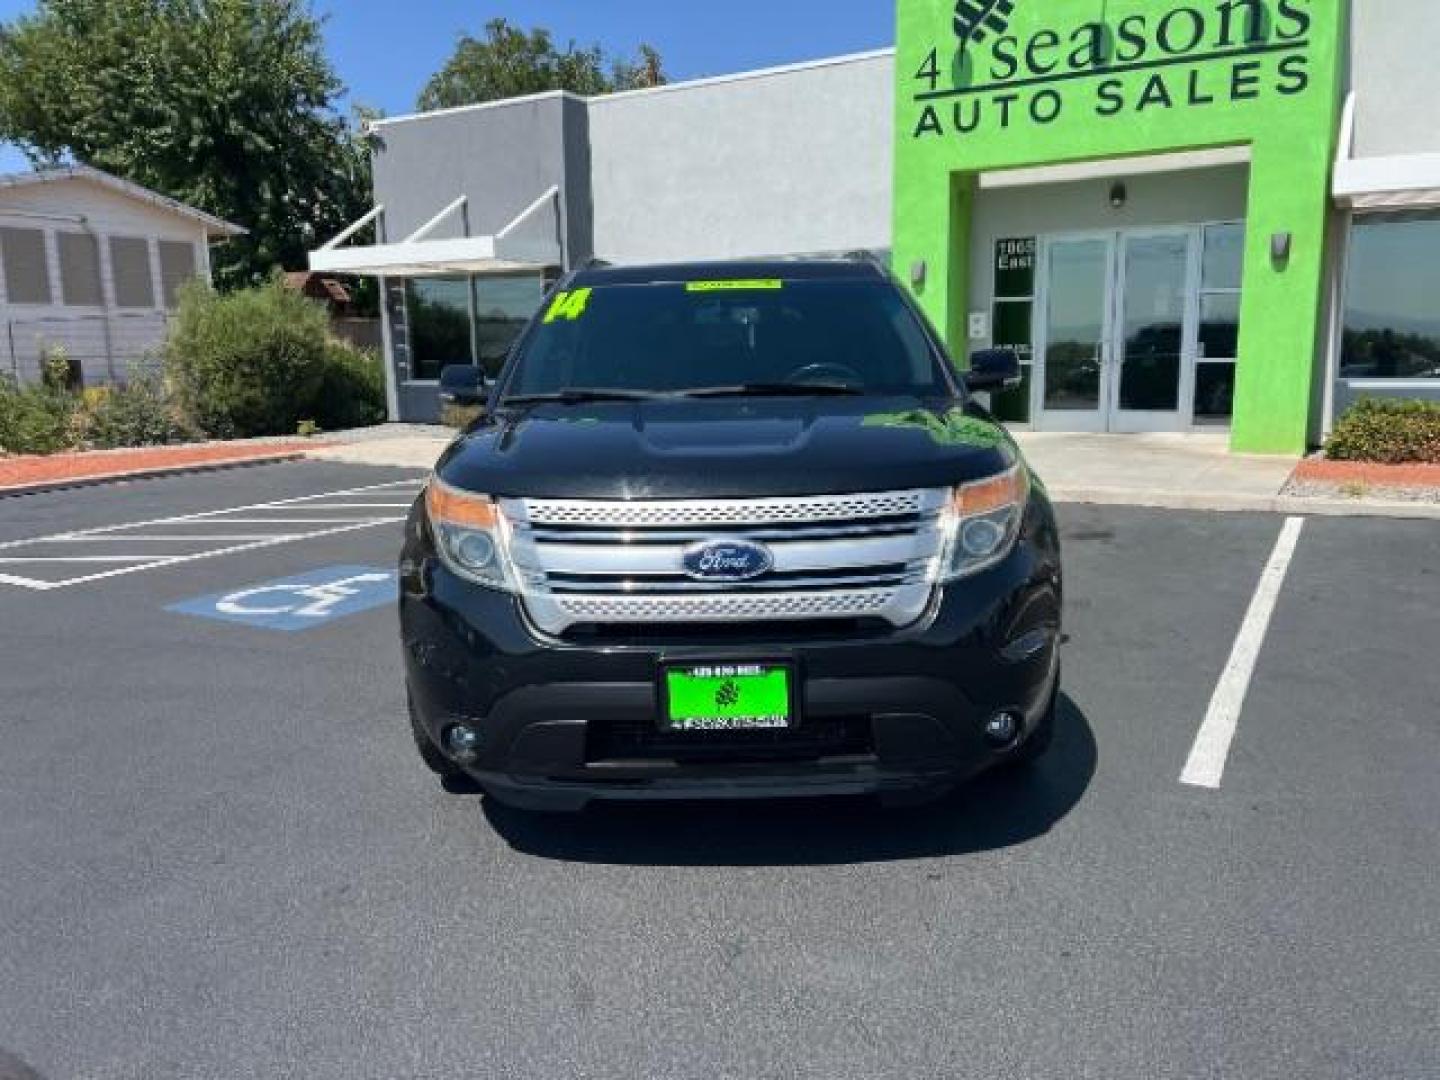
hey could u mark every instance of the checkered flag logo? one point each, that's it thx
(974, 18)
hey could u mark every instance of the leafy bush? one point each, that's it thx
(1387, 431)
(35, 419)
(261, 360)
(250, 362)
(459, 416)
(60, 371)
(139, 413)
(352, 388)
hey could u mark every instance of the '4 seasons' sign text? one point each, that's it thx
(1188, 56)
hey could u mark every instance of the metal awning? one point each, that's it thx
(531, 241)
(1400, 182)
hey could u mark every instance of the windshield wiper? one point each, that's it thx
(778, 389)
(582, 396)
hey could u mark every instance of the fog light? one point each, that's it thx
(1002, 729)
(462, 743)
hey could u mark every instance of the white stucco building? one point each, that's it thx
(92, 263)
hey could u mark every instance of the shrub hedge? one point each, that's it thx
(248, 362)
(352, 388)
(259, 361)
(35, 419)
(1387, 431)
(140, 413)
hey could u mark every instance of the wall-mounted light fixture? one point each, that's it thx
(1119, 195)
(1280, 245)
(918, 270)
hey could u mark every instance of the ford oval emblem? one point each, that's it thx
(727, 560)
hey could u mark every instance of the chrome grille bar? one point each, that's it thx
(834, 556)
(685, 512)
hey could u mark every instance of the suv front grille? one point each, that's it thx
(856, 556)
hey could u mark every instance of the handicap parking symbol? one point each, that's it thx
(302, 602)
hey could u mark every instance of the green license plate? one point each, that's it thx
(728, 697)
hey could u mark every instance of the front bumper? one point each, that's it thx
(894, 712)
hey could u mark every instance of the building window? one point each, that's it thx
(1011, 320)
(79, 270)
(1392, 298)
(27, 276)
(130, 268)
(1223, 269)
(177, 266)
(503, 305)
(437, 312)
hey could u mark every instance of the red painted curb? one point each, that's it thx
(1370, 474)
(211, 464)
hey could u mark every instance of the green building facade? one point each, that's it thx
(1127, 325)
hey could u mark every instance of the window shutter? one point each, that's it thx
(177, 266)
(22, 254)
(80, 270)
(130, 266)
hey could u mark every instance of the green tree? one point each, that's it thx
(228, 105)
(510, 62)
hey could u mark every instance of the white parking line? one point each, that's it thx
(74, 558)
(178, 559)
(24, 582)
(206, 515)
(1206, 765)
(305, 520)
(188, 528)
(362, 506)
(177, 538)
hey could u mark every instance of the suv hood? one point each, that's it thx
(730, 448)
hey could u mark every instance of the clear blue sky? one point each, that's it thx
(385, 50)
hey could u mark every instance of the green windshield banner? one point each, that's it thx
(748, 285)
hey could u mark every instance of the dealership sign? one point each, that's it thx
(986, 75)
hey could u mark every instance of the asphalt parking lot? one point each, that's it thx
(220, 856)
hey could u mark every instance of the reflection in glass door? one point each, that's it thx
(1116, 331)
(1076, 331)
(1154, 290)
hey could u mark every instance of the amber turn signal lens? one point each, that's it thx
(983, 496)
(449, 506)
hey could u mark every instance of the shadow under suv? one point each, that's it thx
(731, 530)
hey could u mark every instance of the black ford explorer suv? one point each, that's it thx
(731, 530)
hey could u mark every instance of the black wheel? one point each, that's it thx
(434, 760)
(1035, 747)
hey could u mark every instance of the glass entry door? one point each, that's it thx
(1154, 324)
(1074, 357)
(1116, 327)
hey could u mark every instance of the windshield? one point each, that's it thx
(761, 336)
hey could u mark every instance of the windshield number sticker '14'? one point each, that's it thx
(568, 305)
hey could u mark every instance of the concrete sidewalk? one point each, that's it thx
(403, 445)
(1188, 472)
(1178, 471)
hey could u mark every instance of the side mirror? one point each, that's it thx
(993, 369)
(462, 384)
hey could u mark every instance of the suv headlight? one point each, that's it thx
(469, 534)
(982, 523)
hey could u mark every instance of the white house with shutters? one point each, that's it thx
(92, 263)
